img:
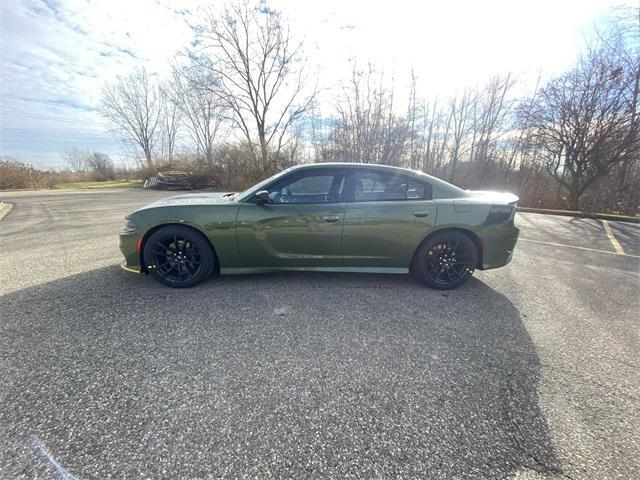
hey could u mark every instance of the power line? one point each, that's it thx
(6, 143)
(39, 116)
(45, 102)
(63, 136)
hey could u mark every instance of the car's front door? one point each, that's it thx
(300, 225)
(386, 219)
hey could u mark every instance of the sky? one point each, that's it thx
(57, 55)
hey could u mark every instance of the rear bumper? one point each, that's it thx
(498, 247)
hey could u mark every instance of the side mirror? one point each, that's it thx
(262, 197)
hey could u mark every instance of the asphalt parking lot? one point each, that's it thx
(530, 371)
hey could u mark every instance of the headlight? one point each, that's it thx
(129, 226)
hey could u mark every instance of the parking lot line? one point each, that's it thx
(616, 245)
(580, 248)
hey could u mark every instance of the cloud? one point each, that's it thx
(56, 56)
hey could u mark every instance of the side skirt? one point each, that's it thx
(243, 270)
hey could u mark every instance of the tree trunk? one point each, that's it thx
(574, 200)
(147, 156)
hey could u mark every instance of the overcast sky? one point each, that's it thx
(56, 55)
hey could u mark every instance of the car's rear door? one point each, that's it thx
(300, 226)
(386, 218)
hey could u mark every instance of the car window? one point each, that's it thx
(385, 186)
(308, 187)
(316, 185)
(415, 190)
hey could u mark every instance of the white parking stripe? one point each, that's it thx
(576, 247)
(614, 241)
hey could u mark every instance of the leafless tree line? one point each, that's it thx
(242, 100)
(572, 142)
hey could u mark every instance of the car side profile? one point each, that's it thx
(338, 217)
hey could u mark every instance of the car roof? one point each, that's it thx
(350, 165)
(368, 166)
(360, 166)
(440, 187)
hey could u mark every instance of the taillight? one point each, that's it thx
(499, 214)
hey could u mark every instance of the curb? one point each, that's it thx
(570, 213)
(5, 208)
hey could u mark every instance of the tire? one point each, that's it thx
(445, 261)
(178, 256)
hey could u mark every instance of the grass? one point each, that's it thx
(95, 185)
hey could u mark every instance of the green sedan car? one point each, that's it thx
(331, 217)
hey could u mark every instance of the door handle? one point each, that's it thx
(421, 213)
(331, 218)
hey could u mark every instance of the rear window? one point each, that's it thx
(389, 186)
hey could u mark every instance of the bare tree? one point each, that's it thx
(261, 72)
(492, 114)
(202, 108)
(418, 128)
(171, 120)
(461, 127)
(101, 166)
(76, 159)
(320, 131)
(133, 106)
(429, 134)
(367, 129)
(440, 130)
(522, 136)
(622, 40)
(586, 121)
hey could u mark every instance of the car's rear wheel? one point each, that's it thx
(445, 261)
(178, 256)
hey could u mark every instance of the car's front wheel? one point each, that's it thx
(445, 261)
(178, 256)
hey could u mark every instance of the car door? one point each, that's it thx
(300, 225)
(388, 216)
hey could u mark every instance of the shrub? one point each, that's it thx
(16, 175)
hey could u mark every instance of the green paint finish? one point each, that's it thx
(385, 234)
(328, 230)
(290, 235)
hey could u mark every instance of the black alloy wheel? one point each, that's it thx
(178, 256)
(446, 260)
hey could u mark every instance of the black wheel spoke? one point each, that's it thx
(449, 276)
(176, 258)
(456, 273)
(449, 262)
(163, 246)
(170, 269)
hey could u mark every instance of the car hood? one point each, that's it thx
(193, 199)
(496, 198)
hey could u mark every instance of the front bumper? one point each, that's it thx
(127, 268)
(128, 247)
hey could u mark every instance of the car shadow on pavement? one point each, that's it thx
(299, 375)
